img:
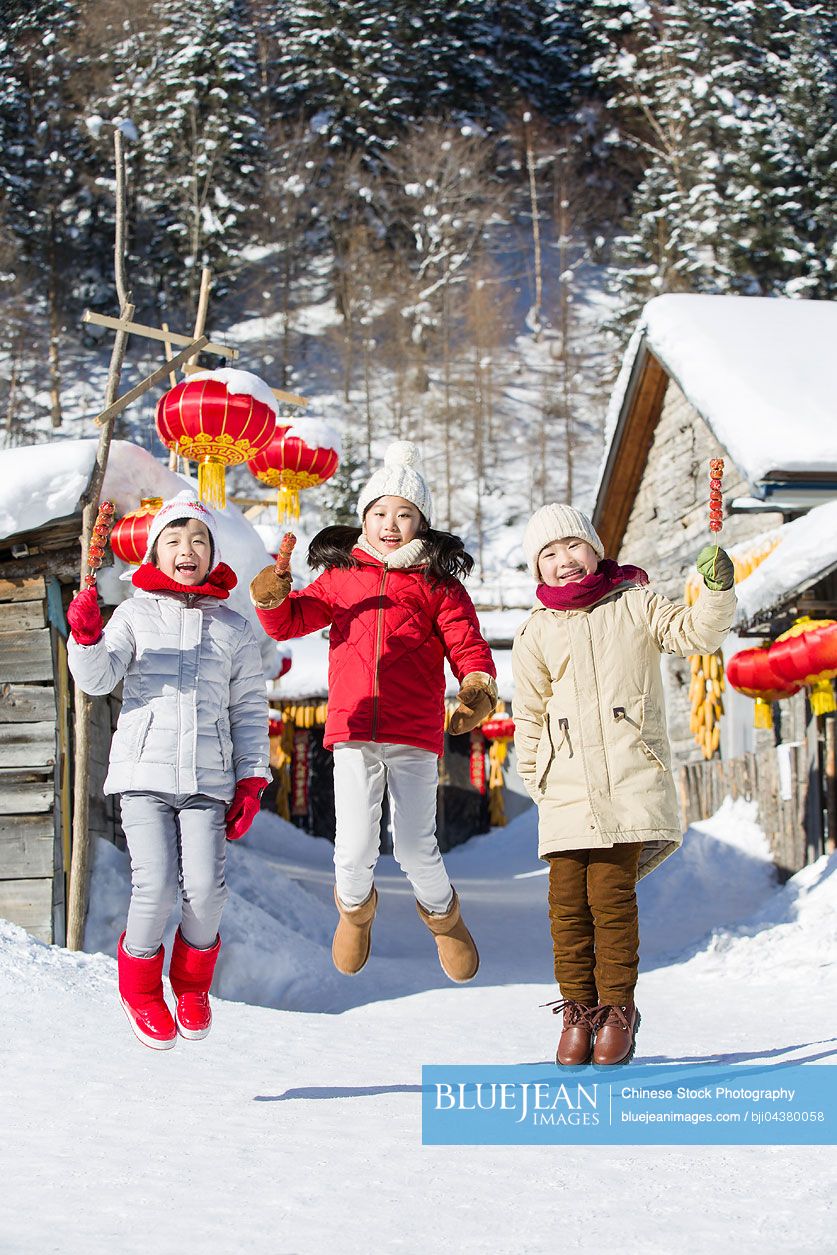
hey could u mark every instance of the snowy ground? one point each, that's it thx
(295, 1127)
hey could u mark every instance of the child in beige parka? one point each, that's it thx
(593, 751)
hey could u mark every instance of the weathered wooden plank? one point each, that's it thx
(28, 745)
(23, 590)
(26, 847)
(25, 656)
(28, 903)
(26, 797)
(62, 563)
(26, 703)
(22, 616)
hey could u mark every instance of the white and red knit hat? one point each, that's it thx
(184, 506)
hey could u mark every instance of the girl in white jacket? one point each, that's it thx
(189, 756)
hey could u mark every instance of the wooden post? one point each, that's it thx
(174, 460)
(203, 305)
(80, 863)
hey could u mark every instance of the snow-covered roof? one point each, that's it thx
(760, 370)
(806, 552)
(41, 483)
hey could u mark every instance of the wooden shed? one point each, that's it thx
(747, 379)
(39, 570)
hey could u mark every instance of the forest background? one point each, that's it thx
(439, 220)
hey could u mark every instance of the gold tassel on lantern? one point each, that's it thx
(496, 805)
(211, 487)
(287, 504)
(763, 714)
(821, 697)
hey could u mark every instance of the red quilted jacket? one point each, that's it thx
(390, 633)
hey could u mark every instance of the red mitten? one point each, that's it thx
(84, 617)
(244, 807)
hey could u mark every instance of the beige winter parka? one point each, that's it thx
(589, 713)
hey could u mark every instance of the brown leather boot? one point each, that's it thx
(457, 952)
(575, 1045)
(616, 1030)
(353, 934)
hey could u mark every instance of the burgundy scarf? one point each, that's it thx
(583, 593)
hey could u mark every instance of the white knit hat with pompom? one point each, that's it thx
(400, 476)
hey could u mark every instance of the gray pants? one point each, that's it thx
(177, 844)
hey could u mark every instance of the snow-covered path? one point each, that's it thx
(298, 1131)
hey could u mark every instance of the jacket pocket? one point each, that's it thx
(131, 734)
(548, 747)
(646, 739)
(222, 728)
(225, 741)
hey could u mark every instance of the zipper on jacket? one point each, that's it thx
(599, 712)
(379, 632)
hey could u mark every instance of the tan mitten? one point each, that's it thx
(477, 698)
(268, 590)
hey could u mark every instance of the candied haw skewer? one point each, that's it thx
(283, 558)
(105, 520)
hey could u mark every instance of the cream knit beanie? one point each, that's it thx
(400, 476)
(557, 522)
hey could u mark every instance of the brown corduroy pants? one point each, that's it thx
(594, 922)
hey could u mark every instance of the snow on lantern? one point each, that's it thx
(302, 454)
(217, 418)
(807, 654)
(129, 538)
(751, 672)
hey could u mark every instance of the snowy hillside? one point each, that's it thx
(290, 1130)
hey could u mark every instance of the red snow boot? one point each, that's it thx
(141, 992)
(191, 975)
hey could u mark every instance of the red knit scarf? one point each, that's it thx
(583, 593)
(218, 583)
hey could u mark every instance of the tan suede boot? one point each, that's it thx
(457, 952)
(353, 934)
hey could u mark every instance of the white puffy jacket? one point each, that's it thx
(194, 706)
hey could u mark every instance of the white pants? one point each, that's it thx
(362, 770)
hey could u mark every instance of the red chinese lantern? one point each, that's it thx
(302, 454)
(752, 673)
(807, 654)
(498, 729)
(129, 538)
(217, 419)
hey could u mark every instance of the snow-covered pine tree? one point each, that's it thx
(779, 231)
(187, 78)
(46, 184)
(346, 66)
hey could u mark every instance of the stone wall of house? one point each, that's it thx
(669, 524)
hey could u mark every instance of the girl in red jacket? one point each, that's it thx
(391, 594)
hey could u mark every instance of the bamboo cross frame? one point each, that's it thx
(122, 403)
(155, 333)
